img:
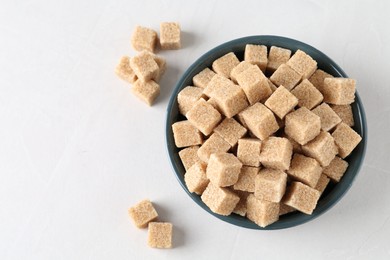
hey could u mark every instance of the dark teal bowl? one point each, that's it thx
(334, 192)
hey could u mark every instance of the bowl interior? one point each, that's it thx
(333, 192)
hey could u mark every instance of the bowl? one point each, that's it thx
(333, 193)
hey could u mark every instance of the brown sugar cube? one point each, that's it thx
(196, 179)
(146, 91)
(323, 181)
(285, 209)
(346, 139)
(214, 144)
(254, 84)
(204, 116)
(144, 66)
(240, 208)
(223, 169)
(203, 78)
(339, 91)
(270, 185)
(317, 79)
(322, 148)
(262, 212)
(257, 55)
(276, 153)
(220, 200)
(187, 97)
(142, 213)
(260, 120)
(189, 156)
(248, 151)
(302, 125)
(242, 66)
(185, 134)
(336, 169)
(143, 39)
(281, 102)
(285, 76)
(329, 118)
(246, 179)
(225, 64)
(230, 130)
(345, 113)
(308, 95)
(170, 36)
(276, 57)
(124, 70)
(302, 63)
(216, 84)
(160, 234)
(301, 197)
(161, 63)
(305, 169)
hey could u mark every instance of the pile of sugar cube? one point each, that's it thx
(263, 146)
(145, 70)
(144, 215)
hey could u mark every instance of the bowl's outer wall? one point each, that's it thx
(334, 192)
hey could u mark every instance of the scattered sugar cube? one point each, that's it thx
(203, 78)
(281, 102)
(248, 151)
(346, 139)
(302, 63)
(225, 64)
(203, 116)
(285, 209)
(196, 179)
(260, 120)
(302, 125)
(339, 91)
(160, 234)
(143, 39)
(285, 76)
(322, 148)
(301, 197)
(189, 156)
(161, 63)
(276, 57)
(270, 185)
(242, 66)
(276, 153)
(323, 181)
(185, 134)
(230, 130)
(308, 95)
(345, 113)
(214, 144)
(240, 208)
(262, 212)
(220, 200)
(170, 36)
(223, 169)
(257, 55)
(305, 169)
(146, 91)
(142, 213)
(187, 97)
(317, 79)
(329, 118)
(336, 169)
(254, 84)
(144, 66)
(246, 179)
(124, 70)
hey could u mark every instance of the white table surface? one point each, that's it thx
(77, 148)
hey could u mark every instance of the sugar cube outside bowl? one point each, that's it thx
(334, 192)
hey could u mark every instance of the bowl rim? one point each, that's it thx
(246, 223)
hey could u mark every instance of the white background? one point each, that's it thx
(77, 148)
